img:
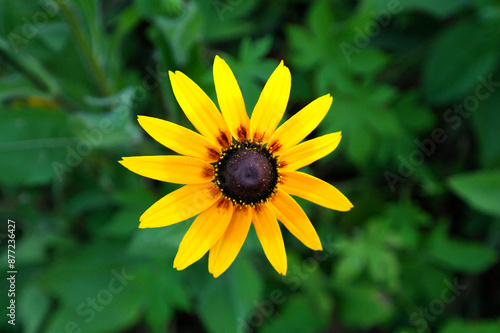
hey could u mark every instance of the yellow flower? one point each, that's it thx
(238, 170)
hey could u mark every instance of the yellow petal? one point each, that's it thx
(271, 104)
(300, 125)
(179, 205)
(230, 100)
(288, 211)
(309, 151)
(205, 231)
(270, 237)
(171, 169)
(314, 190)
(180, 139)
(200, 109)
(223, 253)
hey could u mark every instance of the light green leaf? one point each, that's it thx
(480, 189)
(460, 255)
(17, 86)
(181, 32)
(33, 307)
(371, 250)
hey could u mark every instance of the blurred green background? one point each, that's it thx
(416, 89)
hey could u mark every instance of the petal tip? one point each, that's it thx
(218, 59)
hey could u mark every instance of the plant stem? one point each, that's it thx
(88, 56)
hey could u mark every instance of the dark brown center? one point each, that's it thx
(247, 173)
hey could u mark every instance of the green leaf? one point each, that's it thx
(486, 122)
(227, 20)
(451, 70)
(159, 242)
(371, 250)
(251, 68)
(104, 296)
(30, 66)
(362, 305)
(460, 255)
(34, 305)
(416, 288)
(35, 145)
(11, 14)
(226, 301)
(298, 314)
(181, 32)
(16, 87)
(105, 130)
(165, 294)
(480, 189)
(54, 36)
(405, 218)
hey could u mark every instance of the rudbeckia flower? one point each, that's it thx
(238, 170)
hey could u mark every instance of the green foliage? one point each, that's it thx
(46, 139)
(457, 325)
(363, 306)
(452, 70)
(460, 255)
(479, 189)
(419, 250)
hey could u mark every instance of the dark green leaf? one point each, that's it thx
(227, 301)
(452, 70)
(363, 305)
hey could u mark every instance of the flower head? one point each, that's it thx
(238, 170)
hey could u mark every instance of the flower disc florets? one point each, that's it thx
(247, 173)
